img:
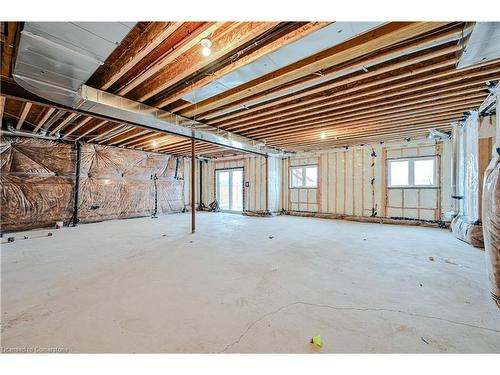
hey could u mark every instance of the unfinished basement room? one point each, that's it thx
(250, 187)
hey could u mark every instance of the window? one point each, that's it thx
(414, 172)
(304, 176)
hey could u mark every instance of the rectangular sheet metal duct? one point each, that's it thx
(55, 59)
(481, 43)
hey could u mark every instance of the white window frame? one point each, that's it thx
(303, 167)
(411, 172)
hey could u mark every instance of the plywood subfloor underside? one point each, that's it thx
(146, 285)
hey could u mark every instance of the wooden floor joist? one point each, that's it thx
(23, 115)
(392, 82)
(381, 37)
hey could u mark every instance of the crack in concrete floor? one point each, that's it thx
(296, 303)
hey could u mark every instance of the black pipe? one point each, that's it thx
(200, 203)
(76, 219)
(155, 177)
(176, 173)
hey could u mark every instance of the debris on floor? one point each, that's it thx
(317, 341)
(451, 262)
(271, 237)
(431, 259)
(275, 268)
(424, 340)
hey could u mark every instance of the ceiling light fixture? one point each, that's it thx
(154, 143)
(206, 45)
(323, 135)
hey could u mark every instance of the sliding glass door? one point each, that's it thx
(229, 189)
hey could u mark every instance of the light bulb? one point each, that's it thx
(206, 44)
(323, 135)
(155, 143)
(206, 51)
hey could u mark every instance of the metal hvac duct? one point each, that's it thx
(55, 59)
(481, 43)
(21, 133)
(437, 134)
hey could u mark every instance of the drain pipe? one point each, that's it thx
(76, 218)
(200, 203)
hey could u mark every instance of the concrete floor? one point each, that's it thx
(147, 285)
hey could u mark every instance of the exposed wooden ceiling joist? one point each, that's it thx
(396, 81)
(70, 118)
(154, 34)
(23, 114)
(390, 91)
(386, 35)
(260, 50)
(391, 72)
(77, 126)
(226, 39)
(156, 65)
(2, 106)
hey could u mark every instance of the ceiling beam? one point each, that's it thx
(23, 114)
(361, 120)
(281, 94)
(395, 69)
(66, 121)
(363, 117)
(88, 131)
(361, 112)
(46, 115)
(381, 37)
(376, 125)
(358, 138)
(225, 40)
(122, 138)
(77, 126)
(398, 89)
(238, 62)
(110, 129)
(381, 137)
(141, 138)
(170, 56)
(2, 107)
(150, 38)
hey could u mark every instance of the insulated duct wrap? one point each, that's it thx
(38, 183)
(491, 224)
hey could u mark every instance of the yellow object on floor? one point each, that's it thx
(317, 341)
